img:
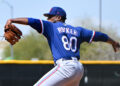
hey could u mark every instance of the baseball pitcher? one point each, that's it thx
(64, 41)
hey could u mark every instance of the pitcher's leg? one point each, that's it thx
(77, 75)
(67, 73)
(52, 78)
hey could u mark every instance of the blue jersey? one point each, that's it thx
(64, 40)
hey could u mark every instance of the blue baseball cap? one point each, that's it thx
(56, 11)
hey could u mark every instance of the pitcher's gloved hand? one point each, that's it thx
(12, 34)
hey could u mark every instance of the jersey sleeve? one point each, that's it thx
(37, 24)
(99, 36)
(42, 26)
(87, 35)
(48, 29)
(90, 35)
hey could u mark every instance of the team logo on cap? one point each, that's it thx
(58, 12)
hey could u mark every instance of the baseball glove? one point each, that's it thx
(12, 34)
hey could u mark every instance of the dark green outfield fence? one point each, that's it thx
(26, 73)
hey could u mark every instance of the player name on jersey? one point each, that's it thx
(67, 30)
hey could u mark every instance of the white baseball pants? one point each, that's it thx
(65, 73)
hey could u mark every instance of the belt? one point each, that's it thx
(72, 58)
(64, 59)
